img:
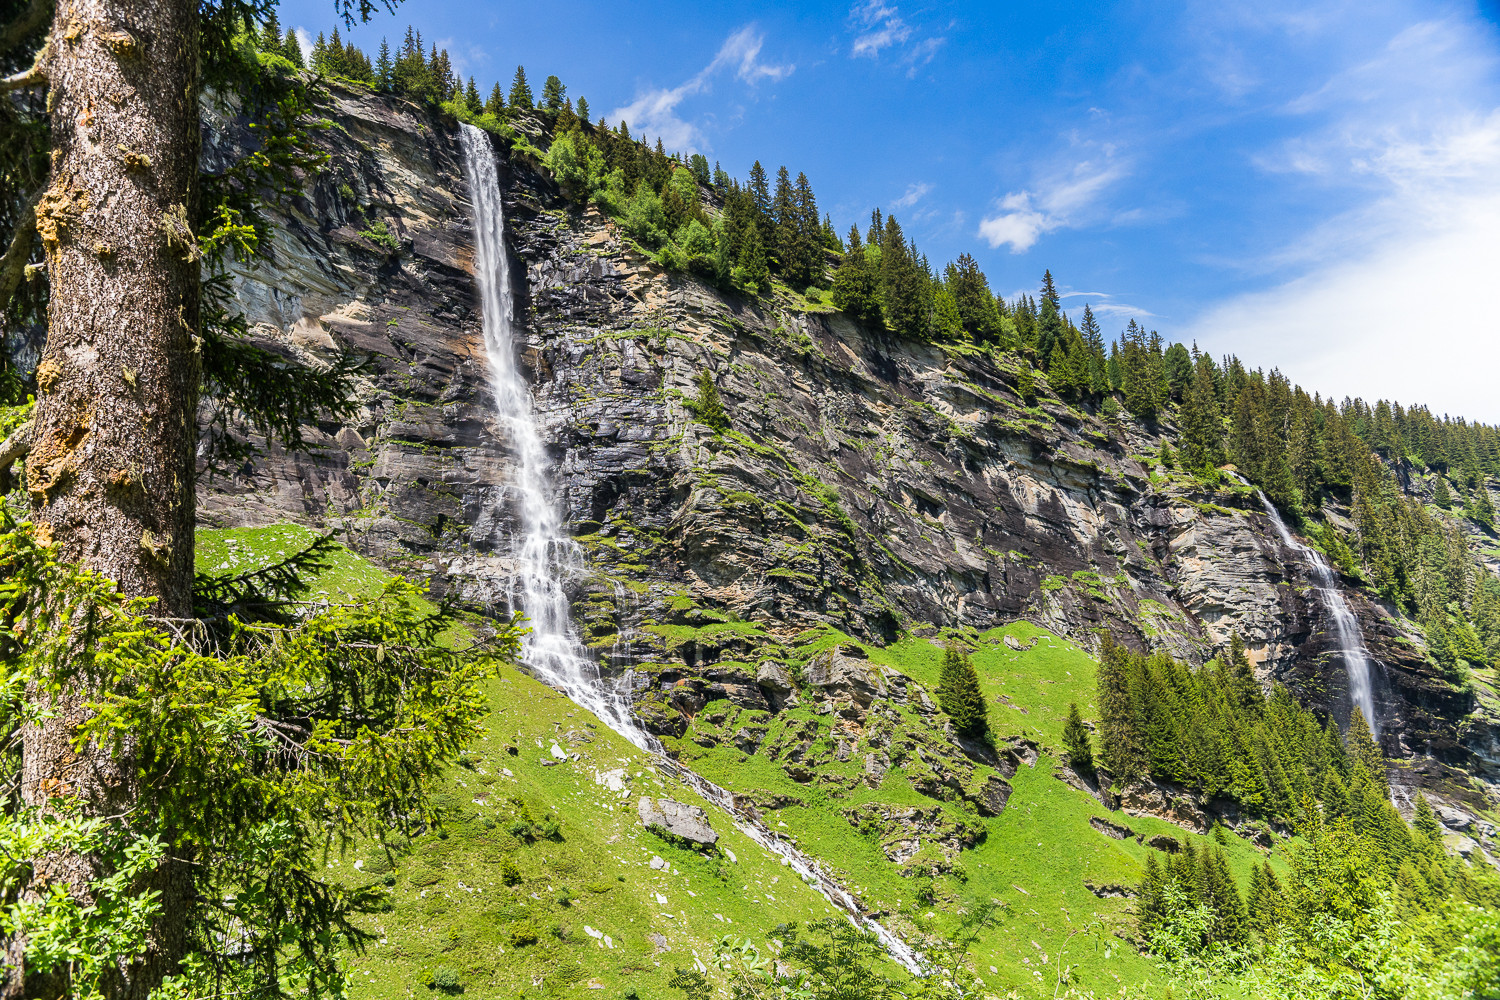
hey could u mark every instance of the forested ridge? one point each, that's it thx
(186, 755)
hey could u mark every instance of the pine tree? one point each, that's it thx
(554, 94)
(959, 694)
(903, 285)
(752, 271)
(1248, 696)
(291, 47)
(1121, 748)
(1425, 822)
(496, 104)
(471, 98)
(384, 67)
(784, 223)
(520, 91)
(854, 287)
(583, 110)
(1202, 421)
(1440, 494)
(1076, 741)
(1364, 753)
(709, 407)
(270, 34)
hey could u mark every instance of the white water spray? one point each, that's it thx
(1351, 639)
(545, 558)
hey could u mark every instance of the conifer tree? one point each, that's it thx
(752, 271)
(496, 104)
(1425, 822)
(903, 285)
(583, 110)
(1121, 748)
(854, 286)
(1202, 422)
(383, 67)
(1248, 696)
(1440, 494)
(959, 694)
(759, 189)
(554, 94)
(520, 91)
(291, 47)
(1364, 752)
(471, 98)
(1076, 741)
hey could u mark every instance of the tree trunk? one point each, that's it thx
(110, 474)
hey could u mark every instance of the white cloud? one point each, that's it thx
(1104, 304)
(1379, 300)
(654, 113)
(305, 43)
(879, 26)
(914, 193)
(1025, 216)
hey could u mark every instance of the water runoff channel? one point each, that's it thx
(545, 557)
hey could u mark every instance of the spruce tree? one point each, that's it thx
(291, 47)
(1440, 494)
(752, 272)
(383, 67)
(854, 286)
(496, 104)
(1202, 422)
(1076, 741)
(471, 98)
(1425, 822)
(1248, 697)
(554, 94)
(520, 91)
(959, 694)
(583, 110)
(1364, 753)
(903, 286)
(1121, 749)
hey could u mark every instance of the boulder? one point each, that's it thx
(992, 796)
(777, 685)
(677, 819)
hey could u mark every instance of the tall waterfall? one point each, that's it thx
(544, 557)
(1351, 639)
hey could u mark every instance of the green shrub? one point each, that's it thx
(445, 978)
(708, 407)
(380, 235)
(524, 933)
(509, 873)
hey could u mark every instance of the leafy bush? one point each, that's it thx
(509, 873)
(445, 978)
(708, 407)
(380, 234)
(645, 219)
(524, 933)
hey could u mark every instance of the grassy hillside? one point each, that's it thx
(540, 881)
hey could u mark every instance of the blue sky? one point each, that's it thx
(1310, 185)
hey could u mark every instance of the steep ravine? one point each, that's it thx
(868, 484)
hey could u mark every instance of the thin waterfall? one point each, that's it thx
(544, 557)
(1351, 639)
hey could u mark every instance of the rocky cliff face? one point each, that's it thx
(868, 484)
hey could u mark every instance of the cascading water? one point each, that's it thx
(1351, 639)
(545, 558)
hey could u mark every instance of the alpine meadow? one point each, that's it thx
(463, 537)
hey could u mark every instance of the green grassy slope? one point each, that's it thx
(454, 913)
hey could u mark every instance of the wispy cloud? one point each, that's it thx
(1105, 304)
(878, 26)
(1025, 216)
(914, 193)
(654, 113)
(1414, 127)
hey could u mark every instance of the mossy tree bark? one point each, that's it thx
(110, 474)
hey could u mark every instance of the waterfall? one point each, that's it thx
(544, 557)
(1351, 640)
